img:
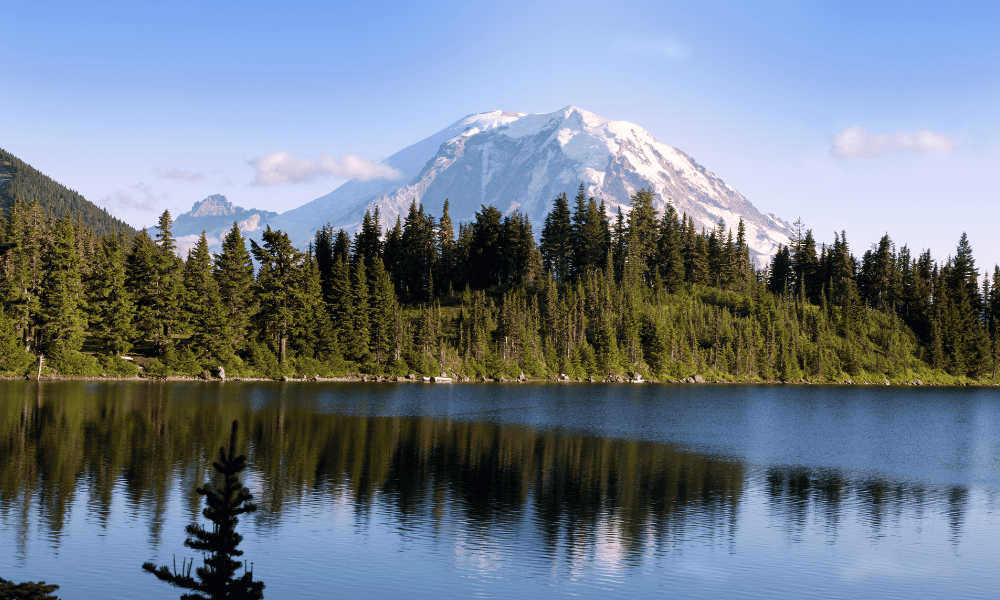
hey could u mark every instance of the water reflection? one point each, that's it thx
(151, 442)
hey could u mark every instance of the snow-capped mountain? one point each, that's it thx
(517, 161)
(215, 216)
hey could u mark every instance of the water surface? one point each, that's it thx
(520, 490)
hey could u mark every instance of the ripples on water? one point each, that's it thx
(513, 491)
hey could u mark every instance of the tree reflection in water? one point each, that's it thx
(147, 441)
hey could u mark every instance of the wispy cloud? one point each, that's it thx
(660, 48)
(181, 175)
(141, 199)
(856, 142)
(279, 167)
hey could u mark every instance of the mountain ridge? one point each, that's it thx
(520, 161)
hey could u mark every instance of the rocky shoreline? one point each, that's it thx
(634, 378)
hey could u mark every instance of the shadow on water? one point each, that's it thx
(146, 442)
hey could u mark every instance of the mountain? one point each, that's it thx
(18, 179)
(215, 216)
(517, 161)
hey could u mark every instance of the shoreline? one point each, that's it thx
(362, 378)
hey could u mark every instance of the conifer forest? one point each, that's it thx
(608, 298)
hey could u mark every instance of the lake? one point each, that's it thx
(415, 490)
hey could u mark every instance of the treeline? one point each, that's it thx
(644, 293)
(20, 180)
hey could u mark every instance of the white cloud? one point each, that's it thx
(279, 167)
(141, 199)
(652, 48)
(856, 142)
(182, 175)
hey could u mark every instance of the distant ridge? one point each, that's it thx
(215, 216)
(18, 179)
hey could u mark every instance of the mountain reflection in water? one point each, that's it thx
(142, 448)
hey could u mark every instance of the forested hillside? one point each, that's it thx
(20, 180)
(642, 294)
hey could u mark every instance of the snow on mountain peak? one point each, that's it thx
(520, 161)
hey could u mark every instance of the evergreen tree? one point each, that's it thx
(203, 305)
(420, 255)
(382, 315)
(643, 232)
(61, 318)
(368, 241)
(485, 258)
(589, 236)
(217, 580)
(23, 271)
(168, 292)
(557, 239)
(27, 590)
(445, 269)
(312, 332)
(669, 246)
(13, 358)
(356, 347)
(342, 246)
(112, 309)
(277, 288)
(234, 273)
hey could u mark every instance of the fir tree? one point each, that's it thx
(557, 239)
(203, 305)
(233, 271)
(27, 590)
(382, 315)
(112, 309)
(217, 579)
(61, 318)
(280, 263)
(356, 347)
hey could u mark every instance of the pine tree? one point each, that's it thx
(233, 271)
(368, 241)
(168, 293)
(61, 318)
(112, 309)
(203, 305)
(23, 271)
(13, 358)
(643, 232)
(277, 287)
(669, 246)
(445, 269)
(382, 315)
(313, 333)
(27, 590)
(356, 347)
(217, 580)
(557, 239)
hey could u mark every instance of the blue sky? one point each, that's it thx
(145, 108)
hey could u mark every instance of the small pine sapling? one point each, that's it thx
(216, 579)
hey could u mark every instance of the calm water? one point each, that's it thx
(513, 491)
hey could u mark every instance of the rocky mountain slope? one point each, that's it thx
(215, 216)
(517, 161)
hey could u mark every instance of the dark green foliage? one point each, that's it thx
(19, 180)
(233, 272)
(217, 579)
(111, 308)
(277, 292)
(60, 315)
(557, 240)
(13, 358)
(27, 590)
(663, 301)
(210, 340)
